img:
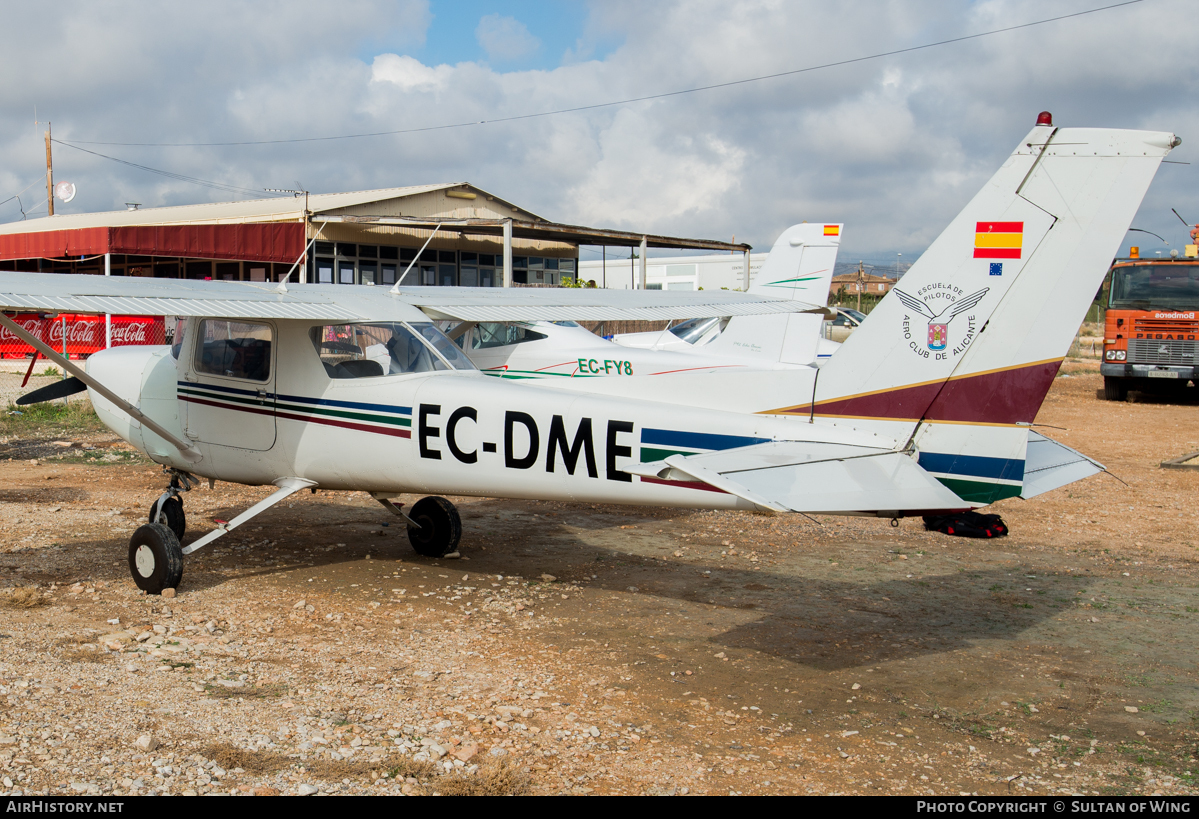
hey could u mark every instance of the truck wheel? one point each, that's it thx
(1115, 389)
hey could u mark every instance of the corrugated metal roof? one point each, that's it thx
(251, 210)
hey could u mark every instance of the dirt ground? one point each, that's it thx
(594, 649)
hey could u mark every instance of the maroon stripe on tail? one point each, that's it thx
(1004, 397)
(684, 484)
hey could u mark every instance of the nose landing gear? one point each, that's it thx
(155, 553)
(168, 509)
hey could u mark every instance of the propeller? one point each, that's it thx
(59, 389)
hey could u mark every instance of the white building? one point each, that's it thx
(713, 272)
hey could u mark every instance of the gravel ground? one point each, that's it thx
(591, 650)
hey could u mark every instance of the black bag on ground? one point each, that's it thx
(966, 524)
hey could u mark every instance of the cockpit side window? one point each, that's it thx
(501, 335)
(177, 339)
(391, 348)
(234, 349)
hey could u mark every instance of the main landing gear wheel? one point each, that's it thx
(440, 527)
(171, 515)
(155, 558)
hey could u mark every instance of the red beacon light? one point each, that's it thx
(1045, 118)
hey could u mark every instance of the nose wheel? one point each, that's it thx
(170, 514)
(155, 558)
(168, 509)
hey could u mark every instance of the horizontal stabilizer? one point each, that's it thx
(800, 476)
(1049, 465)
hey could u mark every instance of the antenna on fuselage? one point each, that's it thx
(396, 287)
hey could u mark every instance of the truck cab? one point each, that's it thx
(1151, 327)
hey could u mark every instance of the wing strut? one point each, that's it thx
(189, 451)
(287, 488)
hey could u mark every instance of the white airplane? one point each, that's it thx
(325, 387)
(799, 268)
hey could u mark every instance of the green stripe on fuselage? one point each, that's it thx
(651, 454)
(357, 416)
(299, 408)
(981, 491)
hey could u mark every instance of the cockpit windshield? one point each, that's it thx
(389, 348)
(693, 330)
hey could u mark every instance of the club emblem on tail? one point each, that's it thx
(938, 325)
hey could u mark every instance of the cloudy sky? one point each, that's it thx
(892, 146)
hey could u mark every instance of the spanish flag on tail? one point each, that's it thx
(998, 240)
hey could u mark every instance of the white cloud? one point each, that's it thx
(505, 38)
(409, 73)
(643, 175)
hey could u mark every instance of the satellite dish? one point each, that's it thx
(64, 191)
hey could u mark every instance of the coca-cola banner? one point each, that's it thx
(84, 334)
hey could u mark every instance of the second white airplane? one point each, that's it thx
(799, 268)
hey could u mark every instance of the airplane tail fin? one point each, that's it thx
(957, 359)
(800, 264)
(799, 267)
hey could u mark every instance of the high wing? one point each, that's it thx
(176, 297)
(563, 304)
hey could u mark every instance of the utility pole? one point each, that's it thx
(860, 274)
(49, 173)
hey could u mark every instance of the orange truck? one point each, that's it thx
(1151, 331)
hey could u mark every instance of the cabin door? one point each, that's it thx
(228, 388)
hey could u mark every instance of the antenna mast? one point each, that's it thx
(49, 173)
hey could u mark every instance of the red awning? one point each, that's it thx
(268, 242)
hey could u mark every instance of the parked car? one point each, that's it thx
(843, 324)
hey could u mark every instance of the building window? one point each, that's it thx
(367, 272)
(324, 272)
(345, 272)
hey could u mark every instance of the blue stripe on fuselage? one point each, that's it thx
(696, 440)
(299, 399)
(976, 466)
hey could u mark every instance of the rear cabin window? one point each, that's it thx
(234, 349)
(392, 348)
